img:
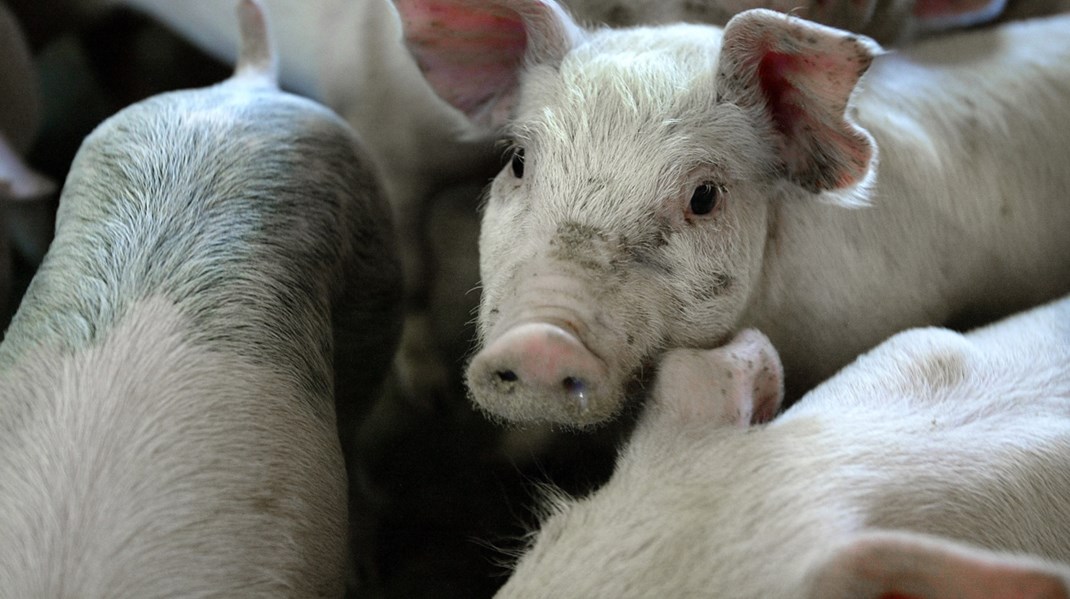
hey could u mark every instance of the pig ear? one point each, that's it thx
(799, 76)
(472, 51)
(887, 565)
(932, 15)
(738, 384)
(19, 182)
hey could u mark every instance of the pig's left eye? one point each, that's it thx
(517, 163)
(705, 199)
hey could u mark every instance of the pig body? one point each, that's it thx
(936, 465)
(167, 416)
(672, 185)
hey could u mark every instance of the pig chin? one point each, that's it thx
(539, 365)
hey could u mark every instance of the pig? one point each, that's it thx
(22, 194)
(25, 194)
(223, 270)
(886, 21)
(672, 185)
(936, 465)
(20, 101)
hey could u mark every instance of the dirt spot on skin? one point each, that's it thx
(578, 244)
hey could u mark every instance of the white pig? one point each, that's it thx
(167, 417)
(672, 185)
(24, 216)
(887, 21)
(937, 465)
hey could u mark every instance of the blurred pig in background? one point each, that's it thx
(26, 197)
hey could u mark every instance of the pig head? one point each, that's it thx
(632, 215)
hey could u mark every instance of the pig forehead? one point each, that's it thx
(644, 98)
(642, 75)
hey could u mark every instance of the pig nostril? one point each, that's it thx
(574, 385)
(576, 389)
(507, 376)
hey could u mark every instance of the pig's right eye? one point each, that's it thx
(518, 163)
(705, 199)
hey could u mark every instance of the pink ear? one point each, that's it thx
(738, 384)
(19, 182)
(944, 14)
(799, 77)
(472, 51)
(901, 565)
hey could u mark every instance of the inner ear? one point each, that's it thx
(471, 52)
(798, 78)
(903, 565)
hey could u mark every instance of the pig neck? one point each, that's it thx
(956, 149)
(204, 210)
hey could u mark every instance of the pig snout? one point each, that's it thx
(540, 371)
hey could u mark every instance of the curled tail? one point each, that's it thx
(257, 59)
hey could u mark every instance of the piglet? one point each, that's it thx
(26, 196)
(167, 386)
(937, 465)
(887, 21)
(669, 186)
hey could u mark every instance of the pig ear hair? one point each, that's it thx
(19, 182)
(472, 51)
(903, 565)
(799, 77)
(933, 15)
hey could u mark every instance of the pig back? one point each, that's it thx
(941, 432)
(206, 195)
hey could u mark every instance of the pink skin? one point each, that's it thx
(546, 358)
(489, 57)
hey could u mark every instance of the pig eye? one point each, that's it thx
(518, 163)
(706, 197)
